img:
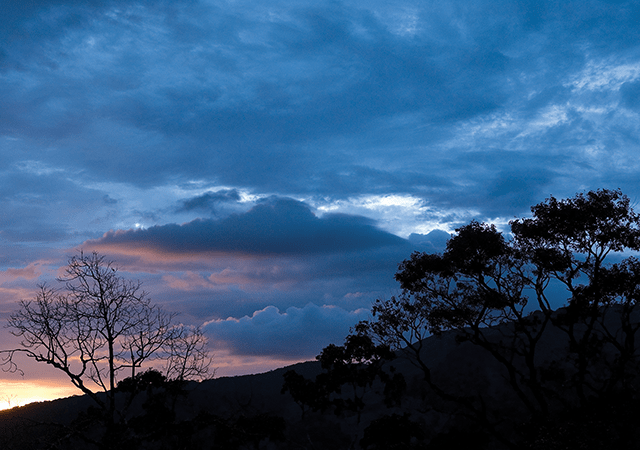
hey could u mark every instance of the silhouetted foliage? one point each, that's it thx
(569, 241)
(349, 371)
(483, 280)
(142, 381)
(471, 436)
(308, 394)
(604, 422)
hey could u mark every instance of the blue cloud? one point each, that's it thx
(286, 98)
(209, 201)
(295, 333)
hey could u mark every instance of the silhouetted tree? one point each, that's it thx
(98, 325)
(187, 356)
(349, 371)
(477, 283)
(483, 280)
(569, 241)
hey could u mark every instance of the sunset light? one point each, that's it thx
(20, 393)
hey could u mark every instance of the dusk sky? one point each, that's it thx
(263, 167)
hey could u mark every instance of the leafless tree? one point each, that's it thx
(98, 325)
(187, 357)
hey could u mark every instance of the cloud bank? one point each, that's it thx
(274, 227)
(297, 333)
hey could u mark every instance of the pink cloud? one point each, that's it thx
(189, 281)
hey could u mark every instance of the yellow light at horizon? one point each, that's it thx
(20, 393)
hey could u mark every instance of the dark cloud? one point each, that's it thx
(285, 98)
(276, 226)
(232, 285)
(209, 201)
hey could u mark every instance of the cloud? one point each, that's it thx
(209, 201)
(433, 242)
(330, 100)
(295, 333)
(278, 253)
(30, 272)
(276, 226)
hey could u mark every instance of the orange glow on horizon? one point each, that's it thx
(20, 393)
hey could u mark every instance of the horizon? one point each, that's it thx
(22, 393)
(263, 169)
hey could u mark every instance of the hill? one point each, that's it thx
(251, 412)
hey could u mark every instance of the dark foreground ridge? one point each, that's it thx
(251, 412)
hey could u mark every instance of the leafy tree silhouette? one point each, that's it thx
(483, 280)
(349, 371)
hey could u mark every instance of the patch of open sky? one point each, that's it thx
(399, 214)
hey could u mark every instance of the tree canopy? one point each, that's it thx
(486, 278)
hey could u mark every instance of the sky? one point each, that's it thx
(263, 167)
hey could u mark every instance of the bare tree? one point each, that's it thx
(187, 357)
(98, 325)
